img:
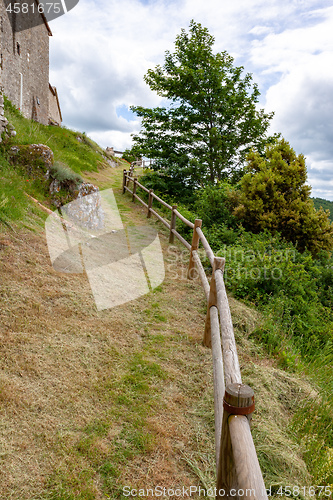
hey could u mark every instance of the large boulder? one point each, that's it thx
(36, 162)
(33, 160)
(64, 191)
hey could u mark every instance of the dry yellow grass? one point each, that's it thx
(93, 401)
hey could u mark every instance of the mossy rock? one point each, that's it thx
(63, 192)
(36, 162)
(33, 160)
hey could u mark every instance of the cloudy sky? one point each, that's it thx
(101, 50)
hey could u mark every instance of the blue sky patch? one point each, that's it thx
(124, 112)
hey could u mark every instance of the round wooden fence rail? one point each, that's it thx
(238, 471)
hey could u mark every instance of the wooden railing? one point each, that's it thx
(237, 468)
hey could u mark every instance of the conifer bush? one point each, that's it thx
(273, 195)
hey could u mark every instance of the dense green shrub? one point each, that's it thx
(273, 196)
(291, 287)
(220, 234)
(213, 205)
(325, 205)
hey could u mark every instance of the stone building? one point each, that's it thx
(24, 64)
(55, 117)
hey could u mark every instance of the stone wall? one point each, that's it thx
(3, 121)
(55, 117)
(6, 128)
(24, 69)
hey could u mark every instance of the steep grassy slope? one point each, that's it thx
(72, 150)
(91, 402)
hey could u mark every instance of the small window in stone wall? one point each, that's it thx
(1, 24)
(18, 48)
(1, 62)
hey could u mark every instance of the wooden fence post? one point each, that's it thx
(134, 189)
(239, 401)
(173, 224)
(195, 245)
(150, 202)
(124, 179)
(219, 263)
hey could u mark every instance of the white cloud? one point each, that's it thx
(101, 50)
(302, 95)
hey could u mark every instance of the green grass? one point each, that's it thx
(61, 172)
(292, 432)
(74, 154)
(15, 207)
(313, 423)
(79, 156)
(132, 395)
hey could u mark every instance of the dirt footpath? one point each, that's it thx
(93, 401)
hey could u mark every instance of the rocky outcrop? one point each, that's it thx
(36, 162)
(65, 191)
(85, 212)
(33, 160)
(110, 161)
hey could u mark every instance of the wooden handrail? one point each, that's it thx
(173, 224)
(183, 219)
(249, 476)
(143, 187)
(237, 466)
(202, 274)
(194, 248)
(166, 223)
(166, 205)
(128, 178)
(230, 357)
(141, 201)
(217, 377)
(181, 239)
(206, 245)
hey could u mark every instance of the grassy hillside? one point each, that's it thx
(93, 401)
(72, 151)
(292, 290)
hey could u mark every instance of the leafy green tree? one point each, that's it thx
(273, 196)
(212, 120)
(131, 155)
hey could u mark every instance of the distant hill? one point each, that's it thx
(326, 204)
